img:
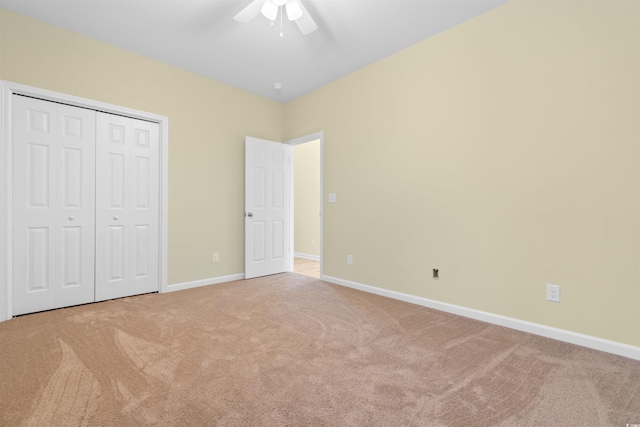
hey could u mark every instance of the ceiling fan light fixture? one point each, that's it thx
(272, 8)
(269, 10)
(294, 11)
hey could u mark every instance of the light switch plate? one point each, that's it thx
(332, 198)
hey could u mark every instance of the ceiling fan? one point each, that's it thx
(269, 8)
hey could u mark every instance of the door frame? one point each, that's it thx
(7, 90)
(298, 141)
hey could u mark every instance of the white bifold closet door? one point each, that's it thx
(127, 207)
(85, 206)
(53, 205)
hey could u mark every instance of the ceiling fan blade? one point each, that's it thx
(305, 22)
(249, 12)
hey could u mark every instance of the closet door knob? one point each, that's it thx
(71, 218)
(115, 218)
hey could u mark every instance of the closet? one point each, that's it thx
(85, 205)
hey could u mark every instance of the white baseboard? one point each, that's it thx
(588, 341)
(306, 256)
(204, 282)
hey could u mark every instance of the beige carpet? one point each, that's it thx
(289, 350)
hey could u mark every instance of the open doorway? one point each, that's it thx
(306, 155)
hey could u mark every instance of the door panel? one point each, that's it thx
(277, 231)
(142, 184)
(266, 207)
(127, 218)
(115, 248)
(53, 205)
(72, 256)
(141, 252)
(115, 180)
(72, 173)
(38, 176)
(259, 229)
(38, 260)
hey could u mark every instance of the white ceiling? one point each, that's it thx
(201, 35)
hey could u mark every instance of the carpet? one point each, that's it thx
(290, 350)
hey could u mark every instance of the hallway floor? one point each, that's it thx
(308, 267)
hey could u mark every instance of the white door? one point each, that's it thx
(266, 204)
(53, 205)
(127, 207)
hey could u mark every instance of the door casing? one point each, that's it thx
(7, 90)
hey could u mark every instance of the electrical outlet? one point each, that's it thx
(215, 257)
(553, 293)
(349, 260)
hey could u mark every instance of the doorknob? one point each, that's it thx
(115, 218)
(250, 214)
(71, 218)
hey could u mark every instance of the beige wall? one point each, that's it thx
(306, 178)
(504, 152)
(207, 125)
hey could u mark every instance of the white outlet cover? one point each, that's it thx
(553, 293)
(332, 198)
